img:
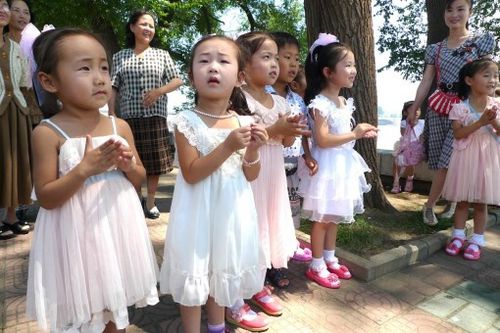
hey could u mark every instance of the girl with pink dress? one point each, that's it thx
(91, 256)
(472, 177)
(276, 229)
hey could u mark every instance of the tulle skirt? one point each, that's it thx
(335, 193)
(473, 172)
(91, 258)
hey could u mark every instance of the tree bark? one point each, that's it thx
(437, 29)
(352, 23)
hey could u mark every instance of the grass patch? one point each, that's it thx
(376, 231)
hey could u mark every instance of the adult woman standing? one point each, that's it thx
(15, 130)
(443, 62)
(24, 33)
(142, 76)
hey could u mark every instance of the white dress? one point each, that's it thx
(91, 257)
(212, 244)
(335, 192)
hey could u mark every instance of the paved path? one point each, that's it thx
(441, 294)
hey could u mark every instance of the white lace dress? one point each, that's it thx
(91, 257)
(212, 243)
(335, 193)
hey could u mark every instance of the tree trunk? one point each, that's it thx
(352, 24)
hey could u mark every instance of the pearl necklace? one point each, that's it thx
(226, 116)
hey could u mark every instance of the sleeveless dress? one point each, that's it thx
(335, 192)
(473, 171)
(276, 228)
(212, 245)
(91, 257)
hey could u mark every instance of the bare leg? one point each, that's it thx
(191, 318)
(331, 236)
(436, 187)
(461, 214)
(215, 312)
(111, 328)
(318, 237)
(11, 216)
(152, 184)
(480, 212)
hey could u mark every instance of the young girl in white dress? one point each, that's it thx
(212, 254)
(335, 194)
(472, 177)
(91, 256)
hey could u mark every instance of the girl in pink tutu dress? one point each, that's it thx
(91, 256)
(276, 229)
(473, 172)
(335, 193)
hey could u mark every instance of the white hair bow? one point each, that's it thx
(323, 39)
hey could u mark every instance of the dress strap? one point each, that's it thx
(114, 124)
(57, 128)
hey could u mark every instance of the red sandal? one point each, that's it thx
(342, 271)
(452, 248)
(257, 324)
(329, 281)
(472, 254)
(271, 307)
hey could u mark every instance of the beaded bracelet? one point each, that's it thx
(249, 164)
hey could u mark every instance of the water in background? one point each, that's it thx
(388, 133)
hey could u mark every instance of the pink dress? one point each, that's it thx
(473, 171)
(276, 229)
(91, 258)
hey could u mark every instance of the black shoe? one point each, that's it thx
(27, 213)
(152, 213)
(5, 232)
(19, 228)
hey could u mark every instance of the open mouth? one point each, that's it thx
(213, 80)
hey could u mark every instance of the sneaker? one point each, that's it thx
(246, 319)
(449, 211)
(428, 216)
(409, 184)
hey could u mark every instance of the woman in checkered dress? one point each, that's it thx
(443, 62)
(142, 76)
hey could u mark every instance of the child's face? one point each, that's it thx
(263, 67)
(288, 63)
(345, 72)
(143, 29)
(485, 81)
(82, 75)
(457, 14)
(215, 68)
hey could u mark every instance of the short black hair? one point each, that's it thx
(283, 38)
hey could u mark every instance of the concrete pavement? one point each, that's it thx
(439, 294)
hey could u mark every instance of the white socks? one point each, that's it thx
(250, 315)
(477, 239)
(330, 258)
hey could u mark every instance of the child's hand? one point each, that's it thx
(125, 160)
(488, 116)
(258, 136)
(238, 138)
(311, 164)
(100, 159)
(365, 130)
(295, 125)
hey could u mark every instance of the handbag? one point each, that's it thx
(411, 150)
(439, 101)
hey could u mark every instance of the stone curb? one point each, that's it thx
(401, 256)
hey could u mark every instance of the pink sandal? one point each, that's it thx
(330, 281)
(271, 308)
(409, 184)
(257, 324)
(452, 249)
(472, 254)
(305, 256)
(342, 272)
(396, 189)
